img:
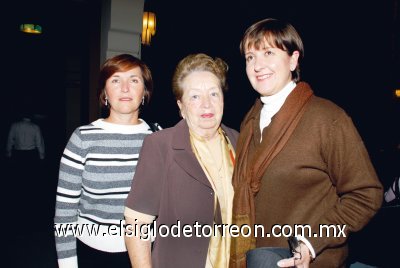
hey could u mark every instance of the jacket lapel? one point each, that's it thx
(184, 156)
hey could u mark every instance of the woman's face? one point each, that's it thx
(269, 68)
(124, 91)
(202, 103)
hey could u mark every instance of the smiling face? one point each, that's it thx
(202, 103)
(124, 92)
(269, 68)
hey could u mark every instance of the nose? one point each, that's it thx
(206, 102)
(259, 64)
(124, 86)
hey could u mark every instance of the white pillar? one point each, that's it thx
(120, 32)
(121, 28)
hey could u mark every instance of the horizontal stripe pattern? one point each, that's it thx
(95, 176)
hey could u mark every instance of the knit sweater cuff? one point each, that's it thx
(71, 262)
(308, 244)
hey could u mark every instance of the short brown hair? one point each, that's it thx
(123, 63)
(198, 62)
(277, 33)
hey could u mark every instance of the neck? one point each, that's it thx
(123, 119)
(206, 135)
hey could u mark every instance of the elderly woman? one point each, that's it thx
(183, 177)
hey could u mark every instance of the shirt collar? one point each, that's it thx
(281, 95)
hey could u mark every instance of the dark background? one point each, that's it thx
(351, 57)
(351, 54)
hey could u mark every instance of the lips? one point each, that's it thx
(125, 99)
(208, 115)
(264, 76)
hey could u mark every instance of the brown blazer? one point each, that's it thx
(323, 175)
(170, 184)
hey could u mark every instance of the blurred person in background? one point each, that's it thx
(25, 141)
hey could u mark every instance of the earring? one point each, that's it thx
(106, 102)
(142, 100)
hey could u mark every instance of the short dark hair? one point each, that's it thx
(277, 33)
(123, 63)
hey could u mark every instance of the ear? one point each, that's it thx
(294, 60)
(180, 108)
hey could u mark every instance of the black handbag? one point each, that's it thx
(154, 127)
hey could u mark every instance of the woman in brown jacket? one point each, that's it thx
(302, 168)
(183, 179)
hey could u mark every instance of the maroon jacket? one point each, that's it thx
(170, 184)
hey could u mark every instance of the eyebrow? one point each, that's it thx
(133, 75)
(261, 48)
(200, 89)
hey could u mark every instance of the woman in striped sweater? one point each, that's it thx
(97, 168)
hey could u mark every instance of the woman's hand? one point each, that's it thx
(301, 258)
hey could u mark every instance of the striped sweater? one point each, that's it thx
(95, 176)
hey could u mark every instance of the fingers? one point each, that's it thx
(286, 262)
(295, 261)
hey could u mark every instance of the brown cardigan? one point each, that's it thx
(170, 184)
(323, 175)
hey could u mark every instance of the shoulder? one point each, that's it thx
(323, 109)
(327, 119)
(232, 133)
(81, 131)
(14, 125)
(159, 143)
(85, 128)
(32, 124)
(176, 136)
(165, 134)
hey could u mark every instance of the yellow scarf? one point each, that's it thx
(216, 157)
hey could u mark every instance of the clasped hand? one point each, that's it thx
(301, 258)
